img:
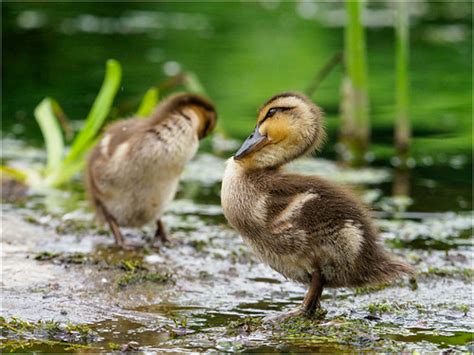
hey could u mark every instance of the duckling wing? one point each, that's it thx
(315, 206)
(330, 226)
(120, 132)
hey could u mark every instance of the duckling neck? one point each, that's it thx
(252, 167)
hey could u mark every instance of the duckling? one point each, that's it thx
(132, 174)
(304, 227)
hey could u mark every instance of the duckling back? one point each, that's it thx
(134, 170)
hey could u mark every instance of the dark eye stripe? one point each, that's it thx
(271, 112)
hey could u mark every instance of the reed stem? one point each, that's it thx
(402, 119)
(355, 130)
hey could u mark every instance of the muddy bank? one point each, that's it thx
(214, 282)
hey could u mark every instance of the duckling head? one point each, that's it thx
(289, 125)
(192, 106)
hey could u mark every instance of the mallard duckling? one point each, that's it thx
(133, 172)
(304, 227)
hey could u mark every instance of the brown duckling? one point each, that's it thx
(132, 174)
(304, 227)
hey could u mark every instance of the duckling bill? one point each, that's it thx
(132, 174)
(304, 227)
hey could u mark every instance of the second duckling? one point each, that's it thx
(304, 227)
(132, 174)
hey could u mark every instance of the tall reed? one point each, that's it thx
(355, 130)
(402, 119)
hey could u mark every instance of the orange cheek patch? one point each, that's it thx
(277, 130)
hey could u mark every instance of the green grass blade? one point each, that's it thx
(53, 138)
(149, 101)
(100, 110)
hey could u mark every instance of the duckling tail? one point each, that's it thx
(396, 268)
(385, 269)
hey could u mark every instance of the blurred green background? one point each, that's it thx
(243, 52)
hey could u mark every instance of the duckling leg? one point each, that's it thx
(160, 235)
(114, 227)
(311, 300)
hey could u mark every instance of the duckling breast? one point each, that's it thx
(246, 207)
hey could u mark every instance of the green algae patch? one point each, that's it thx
(245, 325)
(338, 332)
(136, 272)
(380, 308)
(63, 258)
(444, 339)
(397, 308)
(463, 273)
(46, 256)
(46, 335)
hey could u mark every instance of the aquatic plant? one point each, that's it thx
(355, 128)
(61, 166)
(148, 103)
(63, 162)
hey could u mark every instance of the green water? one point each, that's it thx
(243, 53)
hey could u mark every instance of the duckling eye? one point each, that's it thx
(271, 112)
(274, 110)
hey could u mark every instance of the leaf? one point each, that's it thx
(49, 125)
(98, 113)
(149, 101)
(69, 169)
(16, 174)
(27, 176)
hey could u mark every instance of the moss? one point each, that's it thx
(28, 345)
(464, 308)
(380, 308)
(244, 325)
(179, 329)
(393, 307)
(131, 265)
(340, 332)
(74, 258)
(23, 334)
(199, 245)
(466, 273)
(413, 282)
(31, 220)
(73, 226)
(68, 258)
(133, 277)
(137, 272)
(370, 289)
(114, 346)
(46, 255)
